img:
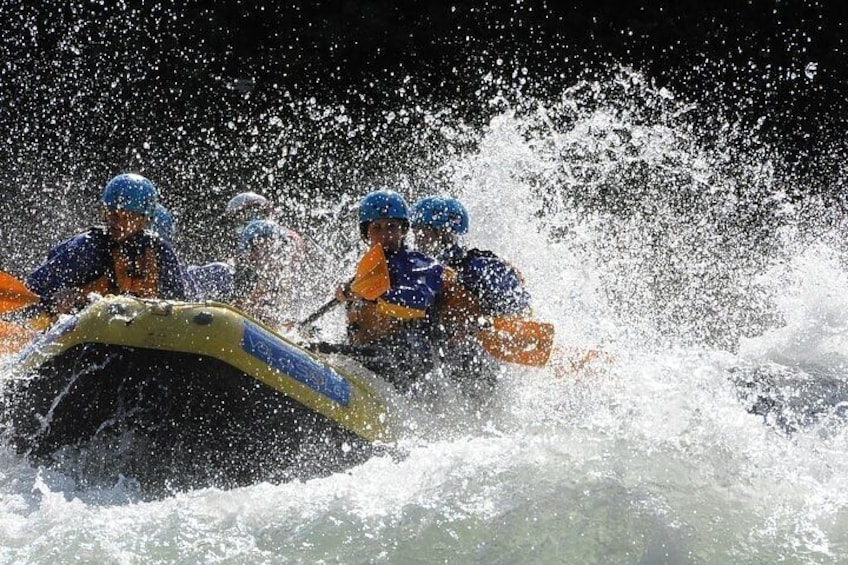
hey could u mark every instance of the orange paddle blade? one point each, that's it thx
(520, 341)
(372, 274)
(575, 362)
(13, 337)
(14, 294)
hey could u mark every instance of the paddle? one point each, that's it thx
(13, 337)
(576, 362)
(14, 294)
(370, 282)
(513, 340)
(516, 340)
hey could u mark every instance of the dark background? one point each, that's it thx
(183, 92)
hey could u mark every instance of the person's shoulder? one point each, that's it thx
(485, 259)
(418, 256)
(476, 253)
(453, 256)
(92, 233)
(150, 239)
(420, 260)
(410, 254)
(93, 236)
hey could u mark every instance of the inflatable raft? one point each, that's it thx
(179, 395)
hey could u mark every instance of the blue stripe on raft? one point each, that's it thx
(274, 352)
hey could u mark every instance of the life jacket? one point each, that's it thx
(137, 275)
(484, 285)
(13, 337)
(415, 275)
(367, 325)
(369, 321)
(457, 307)
(496, 288)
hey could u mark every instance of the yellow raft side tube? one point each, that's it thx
(222, 332)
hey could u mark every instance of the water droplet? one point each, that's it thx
(811, 69)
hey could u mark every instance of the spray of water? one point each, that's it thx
(674, 245)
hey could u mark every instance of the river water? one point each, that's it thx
(673, 247)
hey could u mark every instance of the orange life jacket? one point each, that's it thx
(458, 308)
(139, 277)
(371, 321)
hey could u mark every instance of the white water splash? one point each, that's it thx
(680, 258)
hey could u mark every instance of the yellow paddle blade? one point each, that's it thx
(14, 294)
(13, 337)
(520, 341)
(372, 274)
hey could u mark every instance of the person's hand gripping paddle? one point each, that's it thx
(370, 282)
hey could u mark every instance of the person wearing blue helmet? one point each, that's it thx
(395, 332)
(484, 286)
(119, 257)
(246, 207)
(259, 279)
(496, 288)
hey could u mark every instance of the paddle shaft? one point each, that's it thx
(319, 313)
(371, 281)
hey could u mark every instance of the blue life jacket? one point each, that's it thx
(416, 280)
(399, 325)
(497, 286)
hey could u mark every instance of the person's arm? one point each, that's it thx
(213, 281)
(77, 263)
(172, 286)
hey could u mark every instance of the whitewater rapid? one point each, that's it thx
(688, 271)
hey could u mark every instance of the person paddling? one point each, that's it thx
(119, 257)
(246, 207)
(259, 279)
(486, 286)
(393, 333)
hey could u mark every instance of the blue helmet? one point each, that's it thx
(257, 229)
(132, 193)
(458, 216)
(381, 204)
(162, 223)
(430, 211)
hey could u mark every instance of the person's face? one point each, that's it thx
(123, 224)
(429, 241)
(265, 252)
(388, 232)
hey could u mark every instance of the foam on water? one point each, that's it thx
(675, 252)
